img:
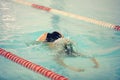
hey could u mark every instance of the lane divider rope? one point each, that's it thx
(55, 11)
(32, 66)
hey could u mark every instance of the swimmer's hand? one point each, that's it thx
(81, 70)
(95, 62)
(96, 66)
(76, 70)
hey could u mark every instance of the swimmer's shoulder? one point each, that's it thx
(42, 38)
(61, 41)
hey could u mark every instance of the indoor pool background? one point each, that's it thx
(20, 24)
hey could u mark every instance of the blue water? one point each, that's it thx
(20, 24)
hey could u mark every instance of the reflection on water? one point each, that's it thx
(55, 19)
(90, 39)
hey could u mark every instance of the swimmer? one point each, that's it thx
(63, 47)
(57, 41)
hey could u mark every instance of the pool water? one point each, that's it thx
(21, 24)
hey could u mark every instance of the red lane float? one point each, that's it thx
(32, 66)
(117, 28)
(41, 7)
(59, 12)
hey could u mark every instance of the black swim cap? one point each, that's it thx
(51, 37)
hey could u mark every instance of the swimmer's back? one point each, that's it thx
(60, 43)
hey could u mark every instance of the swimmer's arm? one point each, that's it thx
(92, 59)
(95, 62)
(61, 62)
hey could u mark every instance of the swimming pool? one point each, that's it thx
(20, 24)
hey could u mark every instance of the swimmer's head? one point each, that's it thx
(51, 37)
